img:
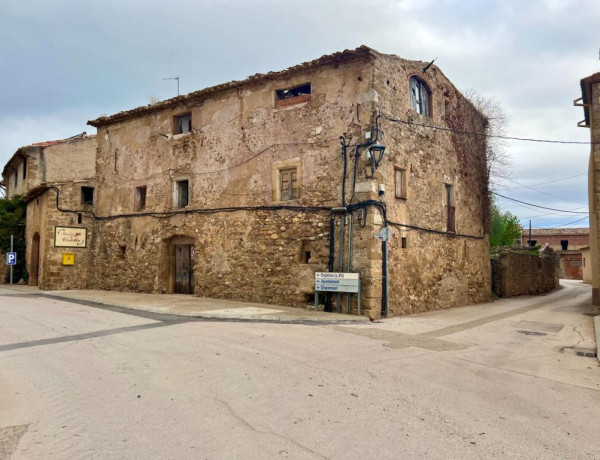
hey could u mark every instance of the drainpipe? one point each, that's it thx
(350, 255)
(384, 279)
(341, 260)
(331, 255)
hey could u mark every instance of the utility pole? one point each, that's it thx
(529, 242)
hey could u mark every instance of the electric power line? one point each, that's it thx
(538, 206)
(471, 133)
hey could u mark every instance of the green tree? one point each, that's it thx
(505, 229)
(12, 222)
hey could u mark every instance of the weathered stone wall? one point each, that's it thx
(521, 273)
(586, 265)
(42, 218)
(240, 137)
(73, 159)
(433, 270)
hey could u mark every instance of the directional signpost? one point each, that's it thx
(337, 282)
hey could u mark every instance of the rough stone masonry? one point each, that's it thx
(228, 192)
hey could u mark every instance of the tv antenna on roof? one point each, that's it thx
(174, 78)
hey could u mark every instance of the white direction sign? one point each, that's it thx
(337, 282)
(11, 258)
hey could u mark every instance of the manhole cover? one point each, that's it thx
(532, 333)
(539, 326)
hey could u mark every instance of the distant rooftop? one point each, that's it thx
(557, 231)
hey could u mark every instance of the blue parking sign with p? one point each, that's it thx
(11, 258)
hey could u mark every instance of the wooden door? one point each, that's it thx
(184, 269)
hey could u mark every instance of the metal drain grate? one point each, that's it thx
(583, 352)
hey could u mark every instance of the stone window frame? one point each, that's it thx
(139, 198)
(400, 192)
(286, 101)
(416, 82)
(176, 191)
(280, 166)
(177, 129)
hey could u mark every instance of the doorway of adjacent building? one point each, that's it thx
(184, 269)
(34, 261)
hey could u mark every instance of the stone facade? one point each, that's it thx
(57, 167)
(590, 101)
(518, 272)
(216, 169)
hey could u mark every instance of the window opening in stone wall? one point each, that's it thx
(400, 182)
(564, 244)
(25, 168)
(87, 195)
(306, 251)
(288, 184)
(182, 193)
(419, 96)
(295, 95)
(79, 218)
(16, 178)
(450, 209)
(140, 198)
(183, 123)
(403, 240)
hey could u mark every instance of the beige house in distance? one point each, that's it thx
(52, 175)
(244, 190)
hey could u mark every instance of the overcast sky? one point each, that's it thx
(67, 61)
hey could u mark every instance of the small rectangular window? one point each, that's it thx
(140, 198)
(25, 168)
(183, 123)
(450, 209)
(182, 193)
(295, 95)
(400, 182)
(87, 195)
(288, 183)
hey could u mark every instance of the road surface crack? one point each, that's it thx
(248, 425)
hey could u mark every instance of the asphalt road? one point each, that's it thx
(497, 380)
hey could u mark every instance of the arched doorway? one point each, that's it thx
(34, 260)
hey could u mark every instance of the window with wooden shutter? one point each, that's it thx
(399, 182)
(288, 180)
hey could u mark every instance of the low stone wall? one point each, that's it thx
(522, 272)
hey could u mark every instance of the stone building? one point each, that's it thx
(590, 101)
(567, 242)
(244, 190)
(52, 177)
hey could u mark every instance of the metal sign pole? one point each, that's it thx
(11, 267)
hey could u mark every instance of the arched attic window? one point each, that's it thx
(419, 96)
